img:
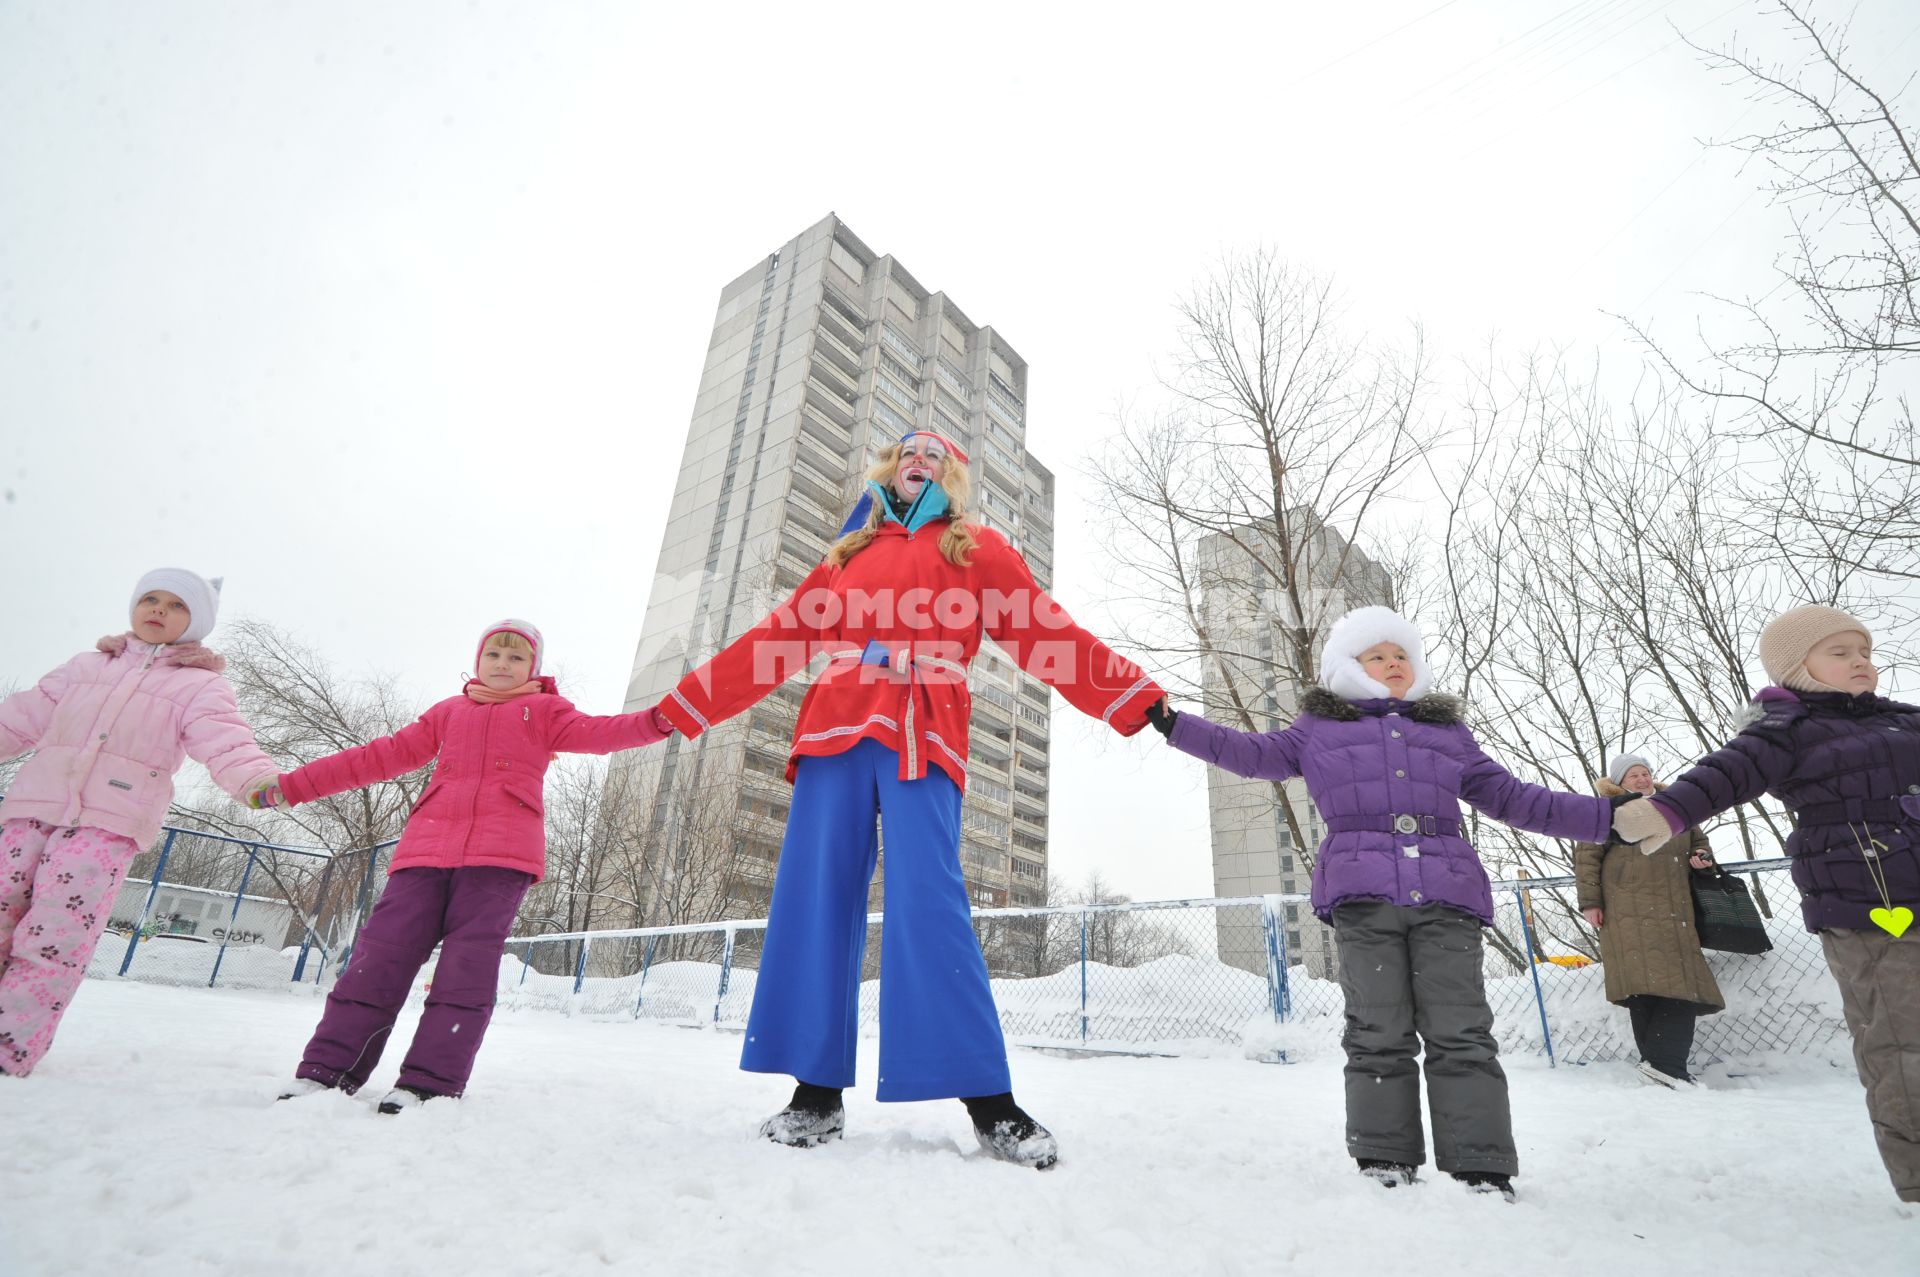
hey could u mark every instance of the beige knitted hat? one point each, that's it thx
(1788, 638)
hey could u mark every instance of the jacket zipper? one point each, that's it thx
(486, 736)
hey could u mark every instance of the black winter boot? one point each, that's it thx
(814, 1116)
(1006, 1132)
(1486, 1182)
(406, 1097)
(1387, 1174)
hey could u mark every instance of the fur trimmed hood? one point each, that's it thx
(193, 656)
(1438, 708)
(1356, 632)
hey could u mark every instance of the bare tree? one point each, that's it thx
(301, 709)
(1240, 504)
(1822, 364)
(1598, 588)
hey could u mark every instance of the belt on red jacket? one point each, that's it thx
(1393, 823)
(909, 665)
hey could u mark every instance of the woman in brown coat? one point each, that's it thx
(1642, 906)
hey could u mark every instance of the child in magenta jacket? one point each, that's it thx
(108, 730)
(475, 842)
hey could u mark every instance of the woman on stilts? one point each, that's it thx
(898, 609)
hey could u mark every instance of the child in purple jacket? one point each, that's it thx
(1846, 763)
(1387, 765)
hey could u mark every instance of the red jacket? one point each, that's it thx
(899, 597)
(484, 804)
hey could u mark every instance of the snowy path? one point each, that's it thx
(147, 1143)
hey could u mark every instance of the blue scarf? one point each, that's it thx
(931, 504)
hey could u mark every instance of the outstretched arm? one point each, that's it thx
(26, 715)
(217, 735)
(410, 748)
(754, 664)
(1045, 642)
(1260, 755)
(577, 733)
(1491, 788)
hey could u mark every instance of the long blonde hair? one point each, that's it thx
(956, 543)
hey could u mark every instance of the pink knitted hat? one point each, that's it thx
(512, 625)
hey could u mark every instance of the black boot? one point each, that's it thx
(815, 1115)
(406, 1097)
(1387, 1174)
(1006, 1132)
(1486, 1182)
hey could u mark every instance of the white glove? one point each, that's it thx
(1642, 824)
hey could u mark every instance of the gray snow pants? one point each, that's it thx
(1879, 980)
(1408, 971)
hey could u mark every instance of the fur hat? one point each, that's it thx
(1622, 764)
(513, 625)
(201, 596)
(1353, 634)
(1788, 638)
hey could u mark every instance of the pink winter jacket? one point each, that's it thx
(484, 804)
(112, 726)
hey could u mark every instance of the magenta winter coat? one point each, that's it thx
(111, 727)
(1370, 764)
(485, 803)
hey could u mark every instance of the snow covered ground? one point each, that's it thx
(148, 1142)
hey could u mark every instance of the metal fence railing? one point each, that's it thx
(1165, 977)
(206, 908)
(1148, 977)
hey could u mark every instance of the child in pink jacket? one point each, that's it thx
(109, 729)
(475, 842)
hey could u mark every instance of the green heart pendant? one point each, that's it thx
(1893, 921)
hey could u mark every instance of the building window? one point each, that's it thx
(899, 423)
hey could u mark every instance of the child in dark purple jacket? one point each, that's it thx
(1846, 763)
(1387, 766)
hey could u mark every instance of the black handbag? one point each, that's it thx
(1724, 911)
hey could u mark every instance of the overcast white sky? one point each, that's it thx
(393, 314)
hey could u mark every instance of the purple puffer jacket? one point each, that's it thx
(1367, 763)
(1848, 768)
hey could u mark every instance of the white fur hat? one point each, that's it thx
(201, 596)
(1353, 634)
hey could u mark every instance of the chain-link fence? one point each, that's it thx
(205, 908)
(1148, 978)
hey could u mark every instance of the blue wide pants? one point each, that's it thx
(939, 1030)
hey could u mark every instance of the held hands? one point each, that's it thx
(266, 792)
(1162, 717)
(1641, 823)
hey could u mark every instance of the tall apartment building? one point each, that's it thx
(822, 354)
(1254, 851)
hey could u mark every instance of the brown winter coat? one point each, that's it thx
(1648, 943)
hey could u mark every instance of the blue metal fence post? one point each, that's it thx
(146, 910)
(1533, 968)
(526, 960)
(646, 965)
(362, 901)
(580, 967)
(1083, 976)
(726, 975)
(1279, 992)
(253, 854)
(313, 920)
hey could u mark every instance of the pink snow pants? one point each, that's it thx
(56, 886)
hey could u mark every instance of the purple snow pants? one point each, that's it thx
(467, 912)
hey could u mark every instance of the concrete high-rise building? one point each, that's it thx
(1254, 851)
(822, 354)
